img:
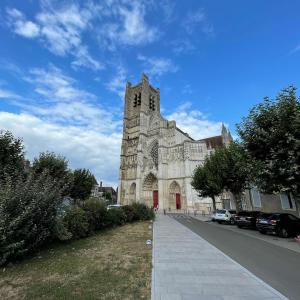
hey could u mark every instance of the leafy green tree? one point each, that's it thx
(56, 166)
(207, 180)
(235, 171)
(83, 182)
(11, 154)
(28, 211)
(225, 169)
(271, 136)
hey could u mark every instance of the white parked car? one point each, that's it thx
(114, 206)
(225, 216)
(213, 215)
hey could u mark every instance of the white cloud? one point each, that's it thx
(157, 66)
(194, 122)
(83, 148)
(129, 26)
(60, 29)
(118, 82)
(68, 120)
(6, 94)
(54, 85)
(21, 26)
(197, 19)
(180, 46)
(60, 100)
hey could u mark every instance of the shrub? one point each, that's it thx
(96, 213)
(61, 231)
(28, 210)
(76, 221)
(143, 212)
(130, 213)
(115, 217)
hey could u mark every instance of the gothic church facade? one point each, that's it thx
(157, 158)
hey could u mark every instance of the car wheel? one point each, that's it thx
(282, 232)
(262, 232)
(219, 222)
(232, 221)
(239, 226)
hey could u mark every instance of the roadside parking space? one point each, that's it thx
(288, 243)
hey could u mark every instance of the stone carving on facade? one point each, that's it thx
(175, 153)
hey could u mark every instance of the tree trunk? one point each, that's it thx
(238, 202)
(214, 203)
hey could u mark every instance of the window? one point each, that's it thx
(137, 99)
(151, 102)
(255, 196)
(287, 201)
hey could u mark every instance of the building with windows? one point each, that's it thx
(100, 191)
(281, 203)
(157, 158)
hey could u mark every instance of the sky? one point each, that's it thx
(64, 66)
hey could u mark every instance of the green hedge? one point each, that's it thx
(92, 215)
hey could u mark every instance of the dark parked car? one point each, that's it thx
(246, 219)
(284, 225)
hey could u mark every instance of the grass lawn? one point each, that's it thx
(115, 264)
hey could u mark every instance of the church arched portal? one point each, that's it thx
(150, 191)
(174, 196)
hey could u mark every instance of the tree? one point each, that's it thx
(83, 182)
(56, 167)
(235, 171)
(225, 169)
(206, 179)
(11, 154)
(28, 211)
(271, 136)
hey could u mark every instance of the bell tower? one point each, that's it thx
(141, 101)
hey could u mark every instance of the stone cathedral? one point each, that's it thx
(157, 158)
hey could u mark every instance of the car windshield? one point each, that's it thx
(221, 211)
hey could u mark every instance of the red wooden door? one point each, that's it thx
(178, 202)
(155, 199)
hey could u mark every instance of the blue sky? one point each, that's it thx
(64, 65)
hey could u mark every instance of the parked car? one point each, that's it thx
(213, 216)
(284, 225)
(225, 216)
(246, 219)
(114, 206)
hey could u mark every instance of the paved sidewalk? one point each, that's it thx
(186, 267)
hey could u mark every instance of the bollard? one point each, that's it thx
(164, 211)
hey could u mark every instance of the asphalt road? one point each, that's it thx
(277, 266)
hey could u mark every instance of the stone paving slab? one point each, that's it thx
(187, 267)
